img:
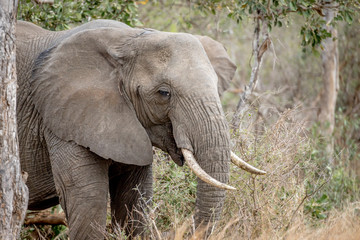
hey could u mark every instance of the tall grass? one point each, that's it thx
(299, 197)
(295, 200)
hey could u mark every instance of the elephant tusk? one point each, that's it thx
(244, 165)
(200, 173)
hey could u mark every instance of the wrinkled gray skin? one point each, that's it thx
(92, 102)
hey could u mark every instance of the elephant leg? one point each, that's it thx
(130, 192)
(81, 181)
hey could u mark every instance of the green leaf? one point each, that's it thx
(292, 6)
(306, 13)
(321, 216)
(348, 18)
(338, 18)
(323, 198)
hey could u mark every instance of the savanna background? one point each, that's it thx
(304, 195)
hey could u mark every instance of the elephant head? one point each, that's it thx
(118, 91)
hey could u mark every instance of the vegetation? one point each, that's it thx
(301, 195)
(277, 14)
(65, 13)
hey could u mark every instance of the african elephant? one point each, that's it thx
(92, 101)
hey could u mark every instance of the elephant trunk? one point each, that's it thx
(206, 134)
(210, 199)
(200, 173)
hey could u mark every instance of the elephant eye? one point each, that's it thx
(164, 93)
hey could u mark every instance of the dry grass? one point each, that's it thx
(263, 207)
(340, 225)
(275, 200)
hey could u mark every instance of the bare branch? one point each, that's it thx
(258, 52)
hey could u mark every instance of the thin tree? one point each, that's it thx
(330, 76)
(13, 191)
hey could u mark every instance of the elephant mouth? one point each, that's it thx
(177, 156)
(161, 136)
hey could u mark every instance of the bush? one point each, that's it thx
(65, 13)
(174, 192)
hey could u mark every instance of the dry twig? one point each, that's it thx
(258, 52)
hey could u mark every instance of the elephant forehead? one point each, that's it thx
(176, 69)
(167, 38)
(172, 53)
(165, 45)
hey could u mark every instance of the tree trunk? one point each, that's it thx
(326, 113)
(13, 191)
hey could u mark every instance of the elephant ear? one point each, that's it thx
(76, 89)
(223, 66)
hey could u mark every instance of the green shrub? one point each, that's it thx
(64, 13)
(174, 192)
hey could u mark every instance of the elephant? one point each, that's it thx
(93, 101)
